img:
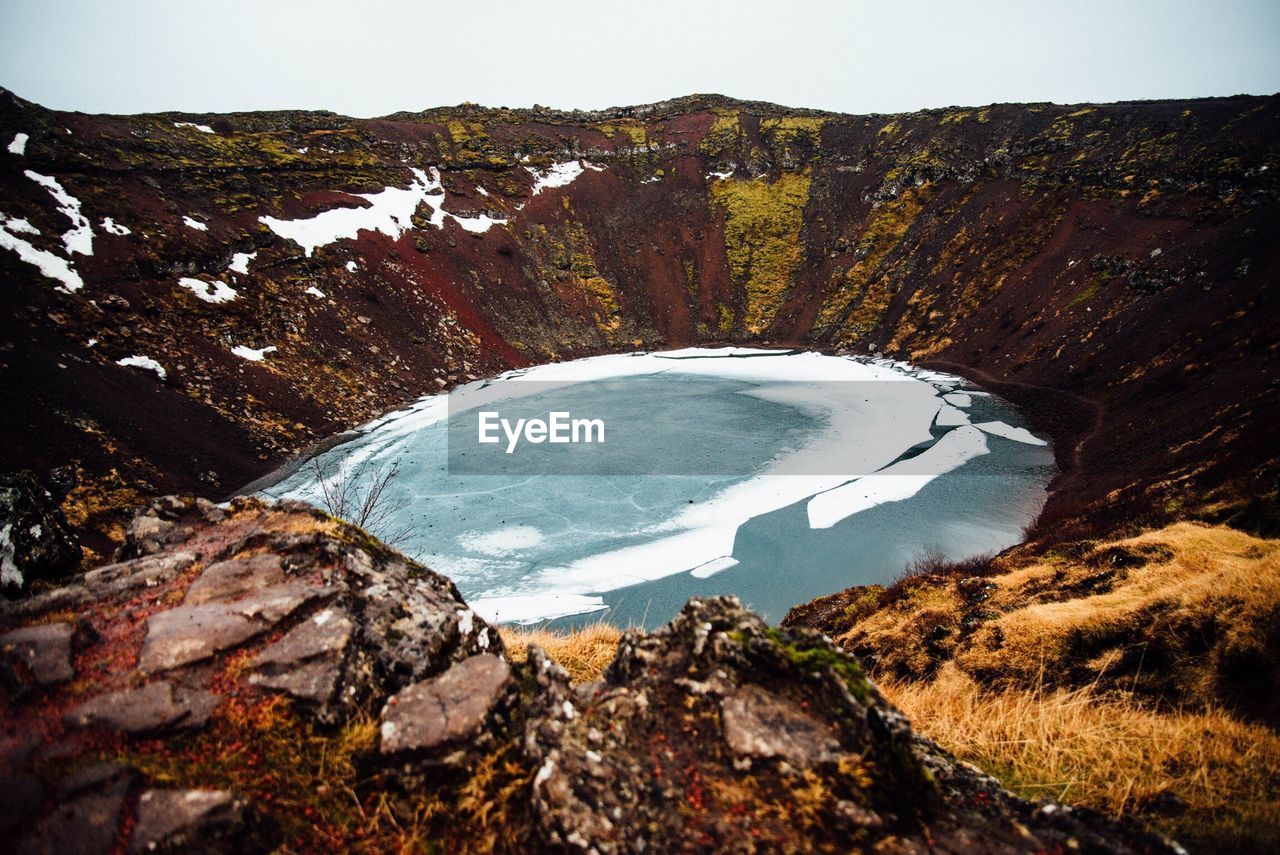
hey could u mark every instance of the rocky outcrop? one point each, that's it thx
(264, 676)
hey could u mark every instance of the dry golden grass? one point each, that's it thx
(584, 653)
(1184, 613)
(1110, 752)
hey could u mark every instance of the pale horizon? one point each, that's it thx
(387, 56)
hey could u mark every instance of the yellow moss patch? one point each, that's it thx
(723, 135)
(762, 239)
(861, 297)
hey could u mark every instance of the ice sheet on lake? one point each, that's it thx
(958, 399)
(900, 481)
(534, 608)
(501, 542)
(1017, 434)
(949, 416)
(714, 566)
(868, 433)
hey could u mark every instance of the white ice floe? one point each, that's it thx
(53, 266)
(145, 362)
(240, 262)
(216, 291)
(958, 399)
(1017, 434)
(900, 481)
(949, 416)
(711, 568)
(559, 174)
(79, 238)
(19, 144)
(502, 542)
(111, 227)
(388, 212)
(314, 291)
(204, 129)
(251, 354)
(533, 608)
(194, 224)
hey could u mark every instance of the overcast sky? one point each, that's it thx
(372, 57)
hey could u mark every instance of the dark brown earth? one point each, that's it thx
(267, 678)
(1109, 267)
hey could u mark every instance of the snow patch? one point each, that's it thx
(216, 291)
(389, 212)
(19, 144)
(194, 224)
(80, 237)
(252, 355)
(351, 266)
(204, 129)
(240, 262)
(314, 291)
(111, 227)
(9, 572)
(143, 362)
(53, 266)
(559, 174)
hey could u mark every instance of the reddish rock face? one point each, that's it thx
(1106, 266)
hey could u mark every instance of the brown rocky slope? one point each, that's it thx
(266, 677)
(1109, 267)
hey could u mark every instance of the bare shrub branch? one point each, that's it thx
(359, 494)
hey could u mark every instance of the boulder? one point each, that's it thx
(35, 540)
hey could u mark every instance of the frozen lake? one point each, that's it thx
(777, 476)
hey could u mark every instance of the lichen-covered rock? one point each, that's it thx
(35, 540)
(42, 651)
(265, 677)
(186, 821)
(720, 733)
(443, 709)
